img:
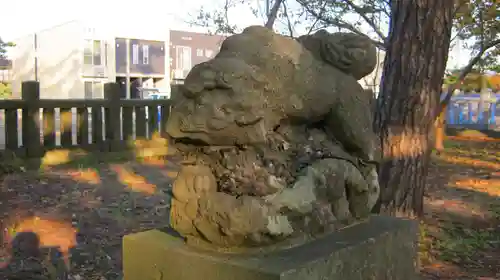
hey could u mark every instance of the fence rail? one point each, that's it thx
(471, 111)
(33, 125)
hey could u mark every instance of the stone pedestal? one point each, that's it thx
(382, 248)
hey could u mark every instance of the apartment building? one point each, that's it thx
(372, 80)
(190, 48)
(75, 59)
(69, 60)
(140, 63)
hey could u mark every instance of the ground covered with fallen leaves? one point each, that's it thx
(460, 233)
(83, 212)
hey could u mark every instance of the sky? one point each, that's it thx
(18, 20)
(22, 17)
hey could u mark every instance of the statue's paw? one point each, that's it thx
(363, 191)
(181, 217)
(350, 194)
(192, 181)
(373, 186)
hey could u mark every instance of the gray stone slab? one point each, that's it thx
(382, 248)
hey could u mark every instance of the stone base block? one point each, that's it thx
(382, 248)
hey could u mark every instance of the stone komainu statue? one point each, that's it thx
(277, 140)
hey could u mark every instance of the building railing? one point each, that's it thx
(33, 126)
(470, 110)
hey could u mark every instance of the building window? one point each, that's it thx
(88, 90)
(135, 54)
(93, 89)
(97, 52)
(145, 54)
(92, 52)
(88, 53)
(199, 52)
(183, 58)
(208, 53)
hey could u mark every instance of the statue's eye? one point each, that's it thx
(202, 99)
(219, 112)
(226, 110)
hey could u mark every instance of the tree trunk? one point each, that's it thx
(416, 55)
(273, 14)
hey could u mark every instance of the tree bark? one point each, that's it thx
(417, 51)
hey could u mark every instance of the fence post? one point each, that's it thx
(493, 107)
(112, 115)
(30, 93)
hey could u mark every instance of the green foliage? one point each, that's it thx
(425, 245)
(450, 80)
(494, 67)
(5, 90)
(4, 46)
(10, 163)
(471, 82)
(479, 21)
(462, 244)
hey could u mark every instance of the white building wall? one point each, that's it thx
(372, 80)
(23, 63)
(60, 61)
(61, 71)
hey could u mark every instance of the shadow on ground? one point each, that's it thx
(84, 210)
(473, 132)
(461, 227)
(81, 209)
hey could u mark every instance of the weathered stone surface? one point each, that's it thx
(277, 139)
(380, 248)
(349, 52)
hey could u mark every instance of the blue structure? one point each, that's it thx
(467, 110)
(156, 96)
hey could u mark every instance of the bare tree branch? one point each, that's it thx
(311, 28)
(459, 31)
(338, 23)
(386, 11)
(368, 20)
(217, 21)
(226, 14)
(289, 23)
(273, 14)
